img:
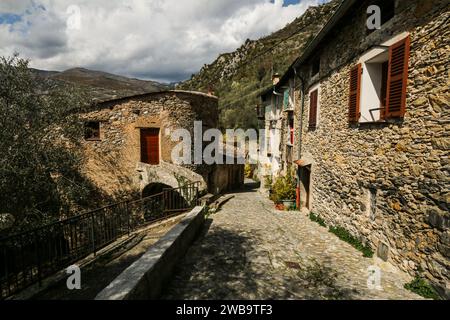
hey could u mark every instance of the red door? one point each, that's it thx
(150, 146)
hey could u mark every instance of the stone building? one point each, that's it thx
(277, 112)
(372, 121)
(128, 144)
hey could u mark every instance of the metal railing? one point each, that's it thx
(28, 257)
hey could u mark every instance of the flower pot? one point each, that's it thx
(279, 206)
(289, 204)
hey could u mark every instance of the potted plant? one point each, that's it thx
(284, 192)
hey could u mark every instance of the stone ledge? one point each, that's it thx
(145, 278)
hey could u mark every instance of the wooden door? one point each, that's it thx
(150, 146)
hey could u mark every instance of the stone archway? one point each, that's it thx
(153, 189)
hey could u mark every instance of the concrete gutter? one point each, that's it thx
(145, 278)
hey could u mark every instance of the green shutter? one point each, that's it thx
(286, 99)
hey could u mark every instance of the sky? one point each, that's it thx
(162, 40)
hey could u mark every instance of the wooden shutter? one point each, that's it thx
(313, 109)
(354, 94)
(397, 79)
(150, 146)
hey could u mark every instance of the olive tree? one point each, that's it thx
(40, 155)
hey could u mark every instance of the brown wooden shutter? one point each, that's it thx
(313, 97)
(150, 146)
(397, 79)
(354, 94)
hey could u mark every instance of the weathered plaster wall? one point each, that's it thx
(406, 162)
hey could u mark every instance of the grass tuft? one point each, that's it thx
(421, 287)
(344, 235)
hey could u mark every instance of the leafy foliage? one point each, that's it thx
(317, 219)
(284, 188)
(422, 288)
(40, 160)
(268, 181)
(249, 170)
(344, 235)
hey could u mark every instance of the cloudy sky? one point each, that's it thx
(164, 40)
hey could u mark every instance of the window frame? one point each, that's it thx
(386, 48)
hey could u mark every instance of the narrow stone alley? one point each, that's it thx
(248, 250)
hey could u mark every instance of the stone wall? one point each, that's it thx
(113, 162)
(227, 178)
(405, 163)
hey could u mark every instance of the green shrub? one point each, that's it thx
(248, 171)
(317, 219)
(284, 188)
(268, 180)
(421, 287)
(344, 235)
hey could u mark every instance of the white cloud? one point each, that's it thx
(165, 40)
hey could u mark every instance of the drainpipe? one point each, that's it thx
(299, 151)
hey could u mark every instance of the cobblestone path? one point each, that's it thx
(248, 250)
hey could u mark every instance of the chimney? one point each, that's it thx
(276, 79)
(210, 91)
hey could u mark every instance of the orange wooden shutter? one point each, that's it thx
(354, 94)
(397, 79)
(150, 146)
(313, 109)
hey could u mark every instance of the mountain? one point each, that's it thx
(100, 85)
(238, 77)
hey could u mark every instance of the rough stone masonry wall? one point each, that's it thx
(113, 163)
(407, 161)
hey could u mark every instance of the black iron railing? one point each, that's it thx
(28, 257)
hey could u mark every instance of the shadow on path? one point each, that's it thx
(226, 264)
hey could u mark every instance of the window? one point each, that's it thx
(374, 88)
(387, 8)
(315, 68)
(286, 102)
(279, 104)
(377, 89)
(92, 130)
(291, 128)
(313, 106)
(268, 144)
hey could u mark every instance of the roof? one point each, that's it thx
(282, 81)
(144, 95)
(331, 23)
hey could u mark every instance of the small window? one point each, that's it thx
(290, 128)
(315, 68)
(92, 130)
(313, 106)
